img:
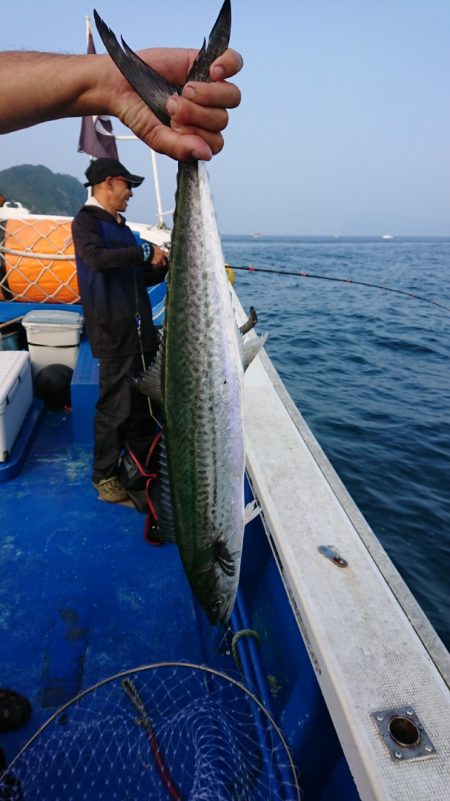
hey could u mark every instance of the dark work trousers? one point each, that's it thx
(122, 412)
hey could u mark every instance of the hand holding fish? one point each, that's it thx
(198, 115)
(159, 257)
(38, 87)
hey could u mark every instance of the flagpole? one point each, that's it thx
(157, 192)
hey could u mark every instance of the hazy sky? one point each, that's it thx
(344, 126)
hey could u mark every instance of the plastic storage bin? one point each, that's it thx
(53, 337)
(16, 397)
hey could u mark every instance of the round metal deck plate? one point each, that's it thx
(403, 734)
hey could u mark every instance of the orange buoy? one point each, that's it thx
(37, 261)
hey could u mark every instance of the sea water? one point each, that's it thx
(369, 369)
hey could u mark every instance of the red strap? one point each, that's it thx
(153, 444)
(151, 520)
(138, 465)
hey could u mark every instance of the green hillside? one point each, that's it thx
(42, 191)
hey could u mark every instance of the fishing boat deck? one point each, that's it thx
(84, 596)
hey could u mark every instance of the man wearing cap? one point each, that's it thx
(113, 274)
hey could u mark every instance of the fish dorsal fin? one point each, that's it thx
(251, 348)
(217, 44)
(150, 381)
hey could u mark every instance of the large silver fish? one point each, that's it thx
(198, 374)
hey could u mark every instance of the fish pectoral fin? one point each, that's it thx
(149, 84)
(251, 349)
(251, 511)
(223, 557)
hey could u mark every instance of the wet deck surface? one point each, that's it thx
(82, 594)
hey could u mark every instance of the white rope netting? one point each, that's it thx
(166, 731)
(37, 262)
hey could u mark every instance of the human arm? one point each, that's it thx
(92, 250)
(38, 87)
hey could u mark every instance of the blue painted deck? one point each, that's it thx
(84, 596)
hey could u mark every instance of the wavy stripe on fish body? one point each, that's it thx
(202, 387)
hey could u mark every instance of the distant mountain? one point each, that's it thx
(42, 191)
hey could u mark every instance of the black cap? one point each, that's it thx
(100, 169)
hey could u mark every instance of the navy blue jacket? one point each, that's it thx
(112, 280)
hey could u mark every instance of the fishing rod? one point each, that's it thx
(252, 269)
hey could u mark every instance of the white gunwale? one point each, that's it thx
(370, 644)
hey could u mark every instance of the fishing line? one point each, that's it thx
(252, 269)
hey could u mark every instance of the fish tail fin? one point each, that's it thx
(149, 84)
(218, 42)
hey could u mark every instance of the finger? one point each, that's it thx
(214, 140)
(185, 113)
(173, 63)
(183, 146)
(213, 95)
(227, 65)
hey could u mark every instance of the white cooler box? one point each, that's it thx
(53, 337)
(16, 397)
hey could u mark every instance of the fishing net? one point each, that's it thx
(166, 731)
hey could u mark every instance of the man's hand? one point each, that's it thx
(38, 87)
(159, 258)
(198, 116)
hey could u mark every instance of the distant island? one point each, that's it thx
(41, 191)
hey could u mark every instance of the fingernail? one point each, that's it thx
(189, 92)
(171, 105)
(201, 155)
(217, 73)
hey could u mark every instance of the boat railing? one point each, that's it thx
(37, 257)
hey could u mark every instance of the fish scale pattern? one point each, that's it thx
(202, 397)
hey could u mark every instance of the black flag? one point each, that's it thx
(92, 140)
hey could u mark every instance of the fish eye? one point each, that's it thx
(217, 603)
